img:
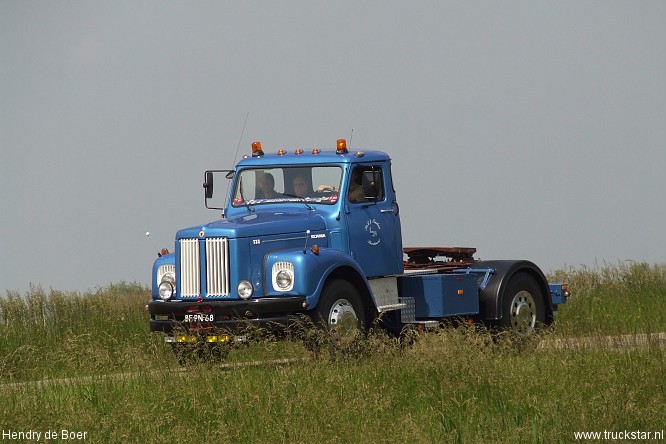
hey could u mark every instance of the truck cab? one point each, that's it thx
(317, 233)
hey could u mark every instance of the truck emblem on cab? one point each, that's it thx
(373, 227)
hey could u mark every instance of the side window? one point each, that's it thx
(356, 192)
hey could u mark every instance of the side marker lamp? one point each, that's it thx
(565, 291)
(315, 249)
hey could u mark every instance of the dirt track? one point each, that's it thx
(620, 342)
(127, 375)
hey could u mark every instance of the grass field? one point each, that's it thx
(456, 385)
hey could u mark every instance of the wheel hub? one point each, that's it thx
(342, 316)
(523, 313)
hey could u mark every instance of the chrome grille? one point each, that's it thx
(164, 269)
(217, 267)
(189, 268)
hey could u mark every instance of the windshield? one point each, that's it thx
(310, 184)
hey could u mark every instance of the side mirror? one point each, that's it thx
(208, 184)
(220, 196)
(372, 185)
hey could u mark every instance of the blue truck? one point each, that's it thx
(316, 234)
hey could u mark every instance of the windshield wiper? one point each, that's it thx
(249, 207)
(300, 199)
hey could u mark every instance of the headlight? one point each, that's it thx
(245, 289)
(283, 276)
(167, 286)
(284, 279)
(162, 270)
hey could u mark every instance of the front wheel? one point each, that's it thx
(340, 308)
(340, 318)
(523, 305)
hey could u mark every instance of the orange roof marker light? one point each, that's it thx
(342, 147)
(298, 151)
(281, 152)
(256, 149)
(315, 151)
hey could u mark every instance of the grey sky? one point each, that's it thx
(527, 129)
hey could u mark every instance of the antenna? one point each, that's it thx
(240, 139)
(161, 252)
(351, 136)
(152, 242)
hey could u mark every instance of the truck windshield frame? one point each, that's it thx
(285, 184)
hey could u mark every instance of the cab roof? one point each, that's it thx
(310, 158)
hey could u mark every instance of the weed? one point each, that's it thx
(461, 383)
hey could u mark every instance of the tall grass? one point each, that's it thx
(607, 299)
(452, 386)
(462, 384)
(56, 334)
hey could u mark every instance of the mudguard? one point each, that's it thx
(312, 270)
(490, 295)
(167, 259)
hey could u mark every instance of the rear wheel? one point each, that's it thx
(523, 305)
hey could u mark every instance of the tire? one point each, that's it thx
(340, 308)
(523, 309)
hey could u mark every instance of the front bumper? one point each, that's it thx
(233, 316)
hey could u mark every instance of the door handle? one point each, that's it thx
(389, 210)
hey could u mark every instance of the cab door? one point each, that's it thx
(373, 223)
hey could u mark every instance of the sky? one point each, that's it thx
(527, 129)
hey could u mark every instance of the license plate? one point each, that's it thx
(199, 317)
